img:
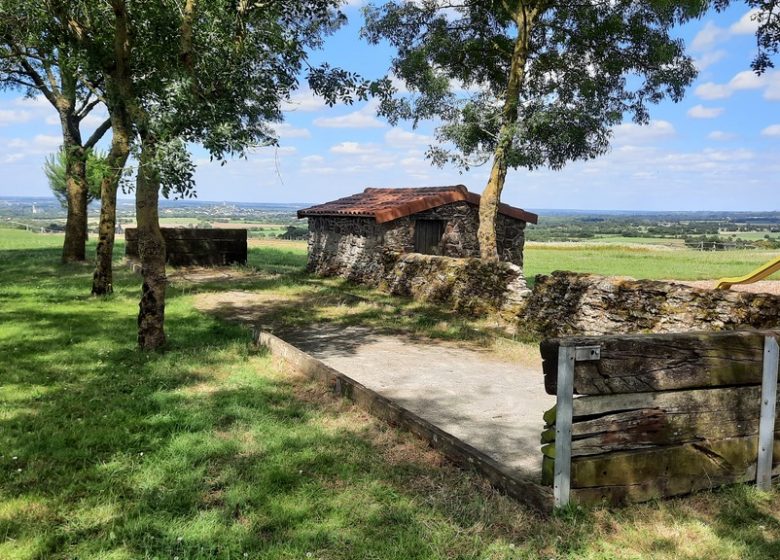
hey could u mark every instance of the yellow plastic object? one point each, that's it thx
(763, 271)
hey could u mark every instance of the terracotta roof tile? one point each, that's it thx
(385, 205)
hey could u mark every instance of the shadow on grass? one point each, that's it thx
(207, 451)
(201, 452)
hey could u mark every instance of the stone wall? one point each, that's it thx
(468, 285)
(363, 251)
(567, 303)
(352, 248)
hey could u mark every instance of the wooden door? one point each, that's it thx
(427, 236)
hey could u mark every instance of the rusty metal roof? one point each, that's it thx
(385, 205)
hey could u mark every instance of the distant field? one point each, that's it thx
(619, 239)
(751, 235)
(638, 262)
(608, 259)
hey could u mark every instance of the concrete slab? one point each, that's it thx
(491, 404)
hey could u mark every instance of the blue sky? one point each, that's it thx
(719, 149)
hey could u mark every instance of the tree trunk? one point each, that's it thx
(488, 206)
(74, 247)
(103, 278)
(151, 247)
(491, 196)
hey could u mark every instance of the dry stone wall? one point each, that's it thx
(469, 286)
(568, 303)
(352, 248)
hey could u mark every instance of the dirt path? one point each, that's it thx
(495, 405)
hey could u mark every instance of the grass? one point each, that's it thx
(609, 259)
(210, 451)
(642, 262)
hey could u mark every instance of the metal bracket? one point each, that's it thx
(587, 353)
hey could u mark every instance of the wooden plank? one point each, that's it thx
(198, 247)
(665, 419)
(671, 471)
(671, 401)
(622, 422)
(639, 363)
(766, 436)
(462, 454)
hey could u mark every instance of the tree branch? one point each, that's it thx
(98, 134)
(85, 109)
(33, 74)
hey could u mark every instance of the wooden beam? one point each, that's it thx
(662, 472)
(641, 363)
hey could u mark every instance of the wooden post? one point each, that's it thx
(563, 420)
(766, 432)
(567, 357)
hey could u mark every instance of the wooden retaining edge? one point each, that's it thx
(457, 451)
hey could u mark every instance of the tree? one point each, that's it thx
(529, 83)
(214, 73)
(55, 168)
(33, 58)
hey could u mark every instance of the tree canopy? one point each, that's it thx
(55, 168)
(530, 83)
(36, 59)
(189, 71)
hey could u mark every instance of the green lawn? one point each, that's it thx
(613, 259)
(210, 451)
(642, 262)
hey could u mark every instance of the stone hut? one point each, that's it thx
(361, 236)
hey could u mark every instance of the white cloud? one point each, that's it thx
(94, 119)
(11, 158)
(45, 141)
(353, 148)
(39, 102)
(747, 24)
(709, 36)
(708, 59)
(721, 136)
(632, 133)
(747, 80)
(711, 90)
(10, 116)
(362, 118)
(286, 130)
(772, 91)
(17, 149)
(399, 138)
(702, 112)
(313, 160)
(772, 130)
(742, 81)
(304, 101)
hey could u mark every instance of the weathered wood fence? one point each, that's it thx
(200, 247)
(646, 416)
